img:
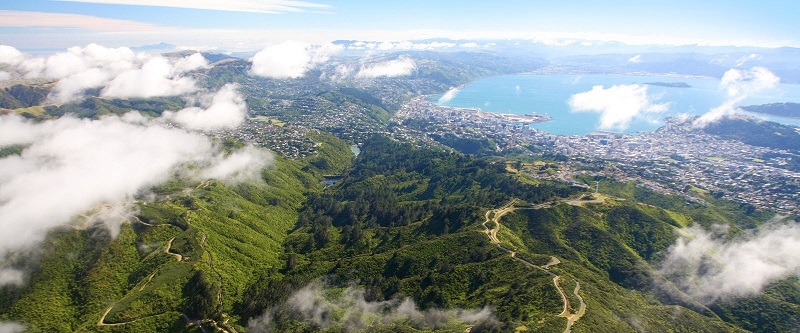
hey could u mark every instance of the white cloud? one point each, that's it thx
(10, 55)
(11, 327)
(553, 41)
(156, 77)
(738, 85)
(72, 87)
(4, 76)
(249, 6)
(636, 59)
(449, 95)
(190, 63)
(617, 105)
(398, 67)
(709, 266)
(242, 165)
(227, 109)
(748, 58)
(290, 59)
(470, 44)
(353, 313)
(11, 277)
(406, 45)
(71, 165)
(12, 18)
(118, 71)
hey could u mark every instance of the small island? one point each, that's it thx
(789, 110)
(669, 84)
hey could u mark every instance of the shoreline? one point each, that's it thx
(476, 111)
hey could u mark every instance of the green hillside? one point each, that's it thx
(407, 222)
(439, 233)
(410, 238)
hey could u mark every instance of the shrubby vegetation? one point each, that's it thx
(763, 134)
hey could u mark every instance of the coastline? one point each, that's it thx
(480, 113)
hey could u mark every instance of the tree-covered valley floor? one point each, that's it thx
(409, 240)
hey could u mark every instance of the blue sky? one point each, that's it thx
(243, 24)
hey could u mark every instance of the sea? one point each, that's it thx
(549, 95)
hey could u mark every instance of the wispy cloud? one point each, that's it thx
(11, 18)
(449, 95)
(250, 6)
(351, 312)
(708, 265)
(72, 165)
(738, 85)
(11, 327)
(406, 45)
(617, 105)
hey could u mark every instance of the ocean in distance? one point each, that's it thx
(549, 95)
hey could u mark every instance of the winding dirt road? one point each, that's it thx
(494, 216)
(167, 250)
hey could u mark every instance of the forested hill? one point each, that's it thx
(410, 240)
(407, 228)
(757, 133)
(778, 109)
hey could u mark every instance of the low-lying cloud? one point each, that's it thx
(224, 109)
(353, 313)
(709, 267)
(157, 77)
(11, 327)
(406, 45)
(70, 165)
(290, 59)
(402, 66)
(118, 72)
(449, 95)
(617, 105)
(10, 55)
(738, 85)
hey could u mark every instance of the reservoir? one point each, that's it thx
(550, 94)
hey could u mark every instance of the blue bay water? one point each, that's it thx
(549, 95)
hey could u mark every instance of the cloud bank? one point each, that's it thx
(290, 59)
(402, 66)
(738, 85)
(118, 72)
(353, 313)
(709, 267)
(617, 105)
(72, 165)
